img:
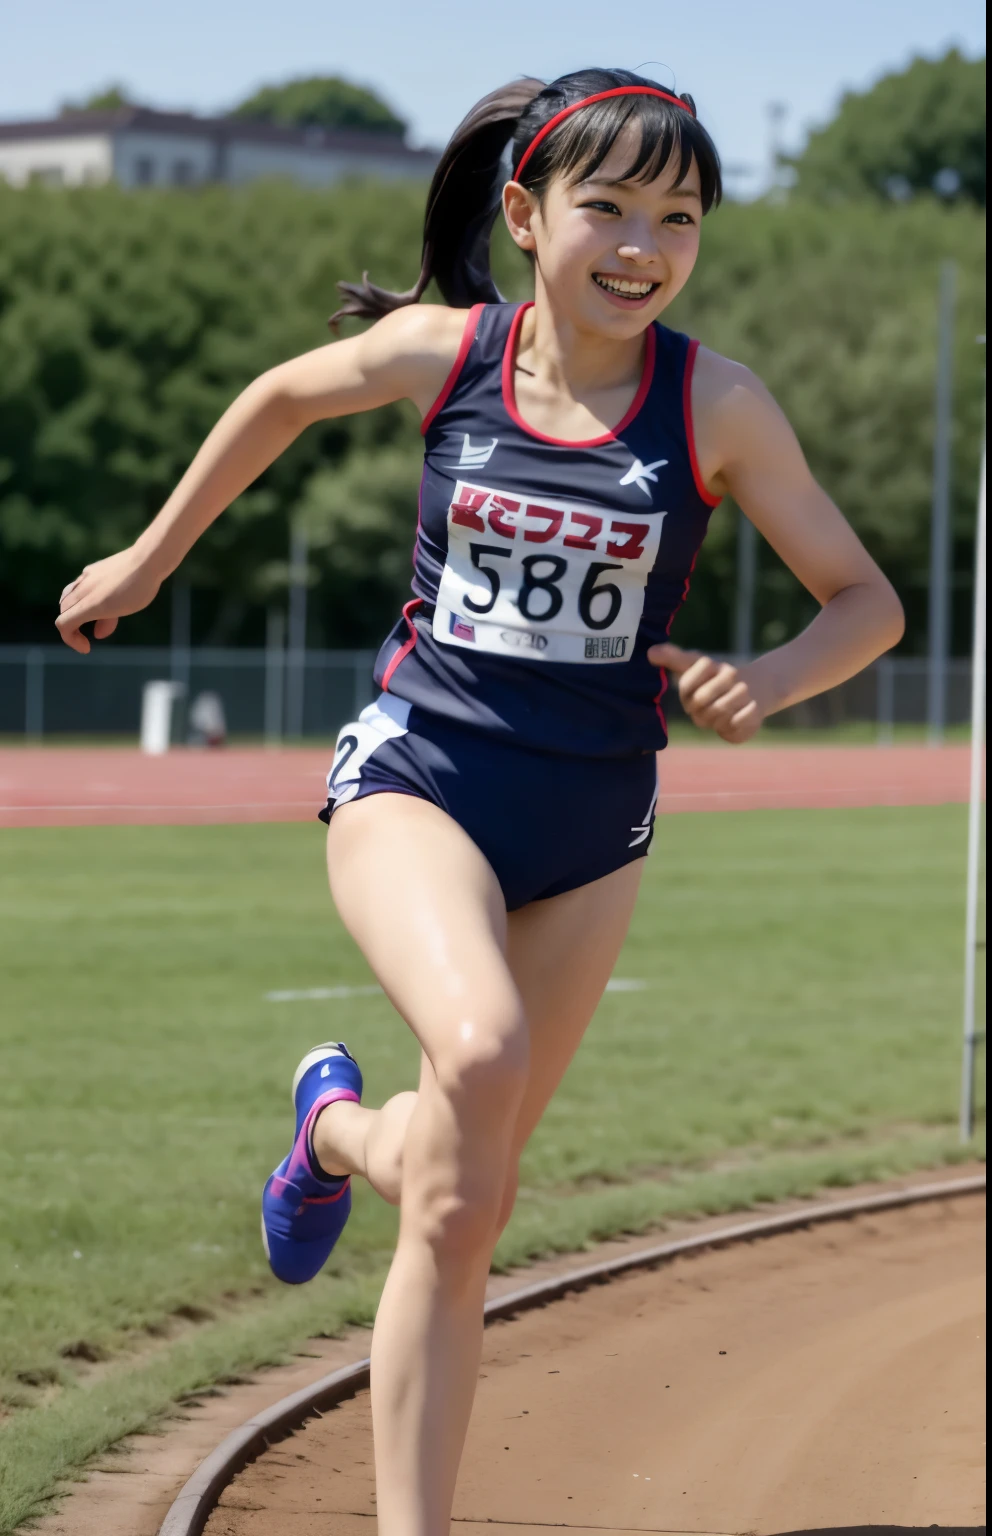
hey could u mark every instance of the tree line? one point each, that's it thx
(128, 322)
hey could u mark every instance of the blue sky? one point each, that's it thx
(433, 58)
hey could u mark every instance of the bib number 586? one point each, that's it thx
(540, 597)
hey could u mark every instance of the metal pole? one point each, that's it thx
(179, 639)
(275, 661)
(967, 1114)
(34, 694)
(885, 680)
(776, 111)
(940, 526)
(747, 583)
(362, 662)
(298, 549)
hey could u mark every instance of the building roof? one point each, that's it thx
(229, 129)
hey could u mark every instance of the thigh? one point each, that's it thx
(561, 953)
(427, 912)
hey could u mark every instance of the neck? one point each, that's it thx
(564, 355)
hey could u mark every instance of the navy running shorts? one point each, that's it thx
(546, 823)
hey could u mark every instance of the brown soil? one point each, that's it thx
(129, 1489)
(829, 1379)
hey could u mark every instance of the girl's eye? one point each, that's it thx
(602, 205)
(676, 218)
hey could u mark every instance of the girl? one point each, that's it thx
(489, 814)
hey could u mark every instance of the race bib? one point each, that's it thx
(543, 579)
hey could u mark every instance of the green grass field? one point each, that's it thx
(799, 1026)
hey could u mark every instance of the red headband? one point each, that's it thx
(620, 90)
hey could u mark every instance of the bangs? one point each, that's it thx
(596, 131)
(665, 135)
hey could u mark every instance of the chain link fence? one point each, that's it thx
(47, 691)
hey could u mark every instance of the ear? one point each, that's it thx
(520, 210)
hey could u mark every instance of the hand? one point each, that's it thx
(715, 695)
(106, 591)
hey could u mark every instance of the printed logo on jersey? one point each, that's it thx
(524, 639)
(639, 474)
(474, 455)
(643, 830)
(544, 578)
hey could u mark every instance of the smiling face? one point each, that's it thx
(610, 254)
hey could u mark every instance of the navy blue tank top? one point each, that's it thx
(543, 570)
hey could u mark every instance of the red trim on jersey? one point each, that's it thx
(407, 647)
(509, 399)
(658, 698)
(618, 90)
(468, 336)
(668, 630)
(690, 363)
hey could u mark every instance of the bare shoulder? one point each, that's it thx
(417, 346)
(736, 421)
(427, 332)
(721, 385)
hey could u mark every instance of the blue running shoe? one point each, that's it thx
(303, 1215)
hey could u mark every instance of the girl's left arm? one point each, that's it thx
(746, 449)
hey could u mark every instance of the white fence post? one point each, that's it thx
(158, 701)
(939, 618)
(967, 1107)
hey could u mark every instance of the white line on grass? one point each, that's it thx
(335, 994)
(322, 994)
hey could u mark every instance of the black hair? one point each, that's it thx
(485, 150)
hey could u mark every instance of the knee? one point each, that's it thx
(483, 1072)
(455, 1185)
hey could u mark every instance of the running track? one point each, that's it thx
(100, 786)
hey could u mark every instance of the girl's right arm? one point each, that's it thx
(406, 355)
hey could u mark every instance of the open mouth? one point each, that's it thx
(630, 290)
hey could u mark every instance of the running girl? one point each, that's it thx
(489, 813)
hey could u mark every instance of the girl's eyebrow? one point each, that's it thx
(601, 181)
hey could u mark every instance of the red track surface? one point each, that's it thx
(60, 787)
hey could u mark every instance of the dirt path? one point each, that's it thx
(830, 1378)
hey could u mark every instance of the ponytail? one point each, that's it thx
(464, 199)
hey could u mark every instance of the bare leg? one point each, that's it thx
(348, 1138)
(560, 982)
(438, 951)
(500, 1006)
(561, 953)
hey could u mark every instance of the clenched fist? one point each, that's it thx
(716, 695)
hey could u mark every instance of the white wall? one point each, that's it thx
(136, 159)
(162, 159)
(70, 161)
(313, 167)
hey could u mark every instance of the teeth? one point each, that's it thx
(624, 286)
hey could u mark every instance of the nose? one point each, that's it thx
(638, 247)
